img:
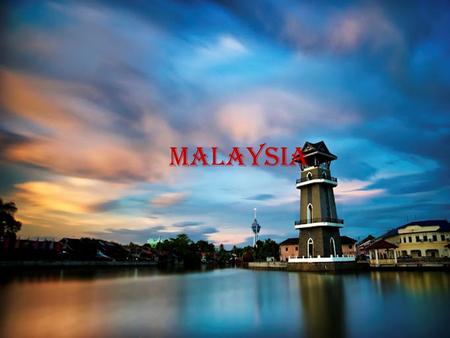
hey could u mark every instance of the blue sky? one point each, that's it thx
(94, 93)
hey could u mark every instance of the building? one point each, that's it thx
(382, 253)
(362, 245)
(348, 246)
(319, 238)
(421, 239)
(256, 228)
(288, 248)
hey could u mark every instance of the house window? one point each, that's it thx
(286, 248)
(442, 237)
(404, 239)
(296, 248)
(309, 213)
(409, 239)
(434, 238)
(425, 238)
(310, 246)
(417, 239)
(350, 246)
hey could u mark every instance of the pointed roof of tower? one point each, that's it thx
(317, 150)
(319, 147)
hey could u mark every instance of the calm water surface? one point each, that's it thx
(228, 302)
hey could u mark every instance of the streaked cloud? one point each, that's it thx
(90, 107)
(169, 198)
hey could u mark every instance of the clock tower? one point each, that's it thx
(319, 223)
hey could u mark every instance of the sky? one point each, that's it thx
(94, 94)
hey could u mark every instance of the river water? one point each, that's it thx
(223, 303)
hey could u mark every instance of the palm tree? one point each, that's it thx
(8, 224)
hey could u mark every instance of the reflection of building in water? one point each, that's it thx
(415, 282)
(323, 302)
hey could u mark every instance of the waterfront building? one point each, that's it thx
(362, 245)
(319, 238)
(348, 245)
(382, 252)
(288, 248)
(421, 239)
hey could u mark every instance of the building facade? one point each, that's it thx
(288, 248)
(421, 239)
(348, 246)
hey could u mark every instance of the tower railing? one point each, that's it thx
(320, 219)
(316, 177)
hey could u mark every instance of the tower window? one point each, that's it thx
(332, 247)
(309, 213)
(310, 246)
(309, 176)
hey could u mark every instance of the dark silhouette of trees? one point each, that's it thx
(9, 226)
(268, 248)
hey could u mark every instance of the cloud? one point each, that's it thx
(68, 133)
(230, 43)
(355, 191)
(187, 224)
(269, 112)
(224, 48)
(126, 235)
(90, 99)
(168, 199)
(68, 194)
(260, 197)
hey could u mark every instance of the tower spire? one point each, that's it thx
(255, 228)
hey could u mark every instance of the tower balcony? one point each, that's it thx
(317, 222)
(311, 179)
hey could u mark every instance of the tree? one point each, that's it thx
(268, 248)
(9, 226)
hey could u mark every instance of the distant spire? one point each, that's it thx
(255, 228)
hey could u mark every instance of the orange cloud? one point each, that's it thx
(71, 135)
(354, 191)
(168, 199)
(65, 206)
(267, 112)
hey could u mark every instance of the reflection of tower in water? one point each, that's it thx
(323, 302)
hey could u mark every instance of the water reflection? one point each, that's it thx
(323, 303)
(413, 282)
(223, 303)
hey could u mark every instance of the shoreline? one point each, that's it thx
(65, 264)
